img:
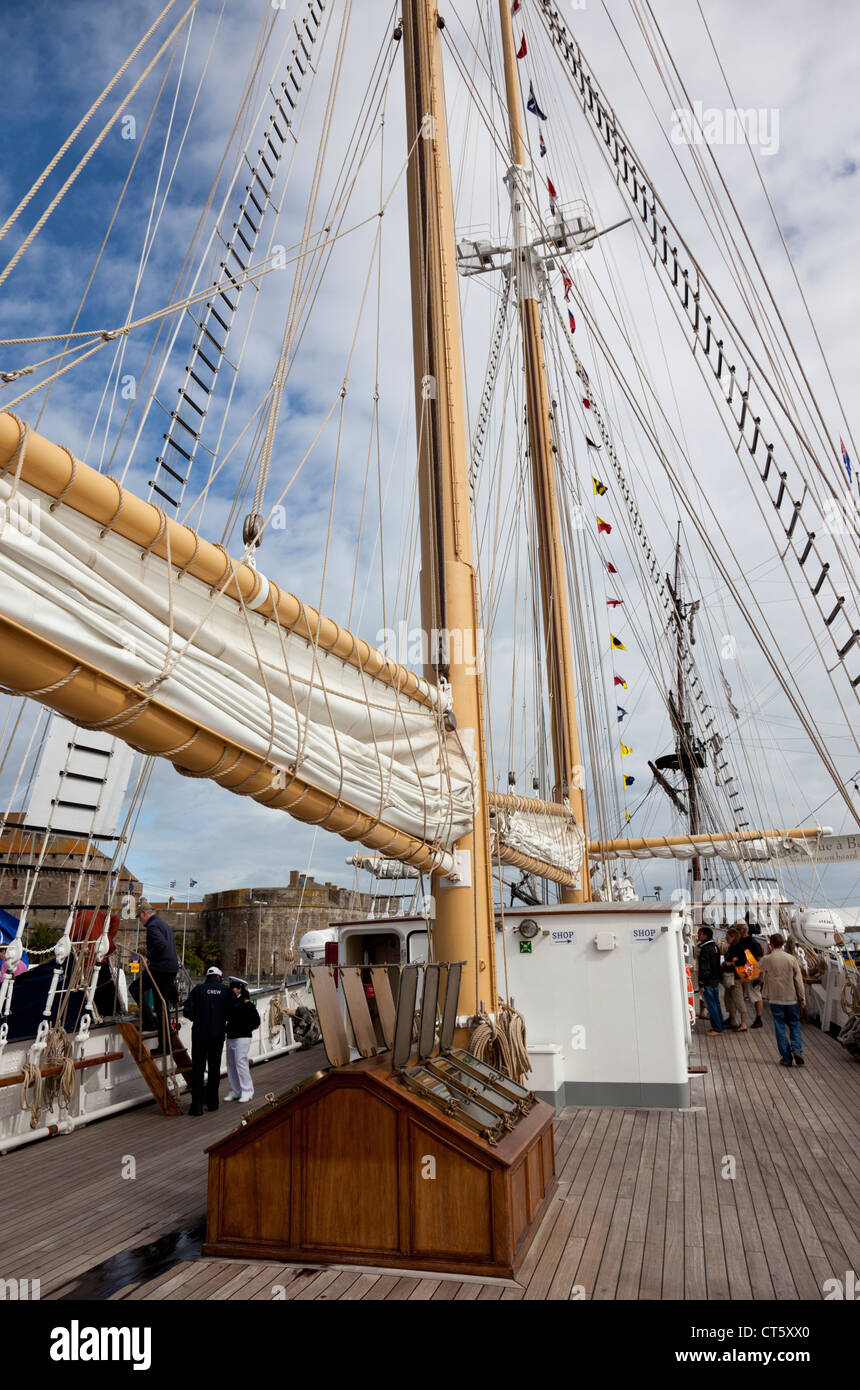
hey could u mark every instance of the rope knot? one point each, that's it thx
(147, 687)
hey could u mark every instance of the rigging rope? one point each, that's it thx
(688, 294)
(82, 163)
(52, 164)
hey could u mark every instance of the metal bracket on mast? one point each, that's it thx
(571, 230)
(461, 874)
(528, 268)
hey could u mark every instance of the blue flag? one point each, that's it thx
(621, 713)
(192, 882)
(845, 459)
(531, 105)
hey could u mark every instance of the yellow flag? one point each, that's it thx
(627, 814)
(625, 750)
(617, 643)
(599, 487)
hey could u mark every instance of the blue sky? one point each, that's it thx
(776, 61)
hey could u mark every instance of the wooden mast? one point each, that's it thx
(464, 924)
(568, 772)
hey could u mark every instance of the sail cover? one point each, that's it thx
(247, 678)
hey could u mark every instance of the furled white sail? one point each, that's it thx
(264, 687)
(822, 849)
(248, 679)
(554, 839)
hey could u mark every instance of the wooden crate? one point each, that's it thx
(355, 1168)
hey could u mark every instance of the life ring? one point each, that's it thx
(691, 1001)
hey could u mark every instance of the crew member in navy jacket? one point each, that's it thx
(208, 1006)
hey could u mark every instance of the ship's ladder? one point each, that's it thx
(213, 320)
(161, 1069)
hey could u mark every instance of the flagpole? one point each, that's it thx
(185, 920)
(567, 767)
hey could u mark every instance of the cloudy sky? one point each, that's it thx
(357, 328)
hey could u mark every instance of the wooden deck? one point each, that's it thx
(646, 1206)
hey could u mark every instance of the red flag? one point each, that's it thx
(567, 282)
(572, 321)
(611, 567)
(603, 526)
(619, 680)
(586, 402)
(522, 50)
(515, 6)
(614, 602)
(549, 183)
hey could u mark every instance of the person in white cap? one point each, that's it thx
(208, 1006)
(242, 1022)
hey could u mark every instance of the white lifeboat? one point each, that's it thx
(817, 927)
(313, 943)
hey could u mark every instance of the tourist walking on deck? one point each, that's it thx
(208, 1006)
(733, 987)
(710, 971)
(242, 1021)
(783, 990)
(163, 964)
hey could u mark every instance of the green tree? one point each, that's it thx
(41, 936)
(193, 964)
(210, 953)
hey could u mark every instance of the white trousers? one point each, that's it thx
(238, 1070)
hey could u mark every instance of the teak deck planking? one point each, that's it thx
(641, 1211)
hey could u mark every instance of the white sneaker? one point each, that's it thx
(231, 1097)
(244, 1099)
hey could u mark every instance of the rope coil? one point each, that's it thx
(502, 1044)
